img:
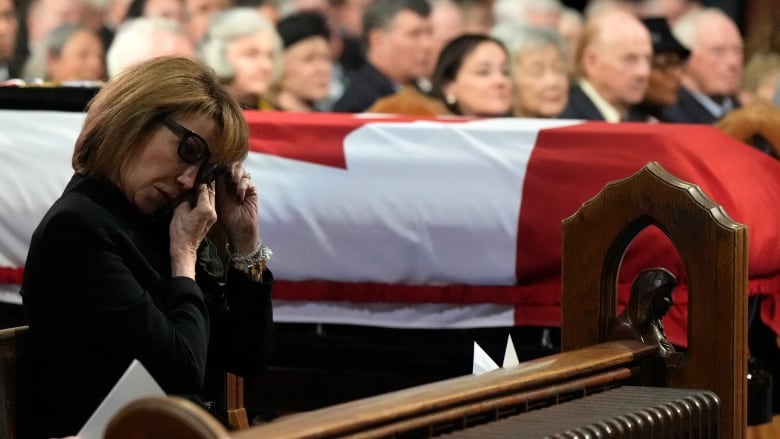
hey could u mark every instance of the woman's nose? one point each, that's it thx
(187, 178)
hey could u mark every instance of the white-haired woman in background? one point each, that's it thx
(245, 51)
(539, 72)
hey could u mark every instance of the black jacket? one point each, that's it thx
(688, 110)
(366, 85)
(579, 106)
(98, 292)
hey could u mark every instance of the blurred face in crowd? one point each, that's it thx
(482, 86)
(81, 59)
(173, 9)
(45, 15)
(479, 18)
(350, 16)
(665, 79)
(197, 14)
(767, 86)
(251, 56)
(9, 25)
(115, 13)
(715, 65)
(570, 29)
(447, 22)
(406, 46)
(307, 69)
(541, 82)
(616, 61)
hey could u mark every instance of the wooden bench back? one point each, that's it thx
(714, 251)
(17, 391)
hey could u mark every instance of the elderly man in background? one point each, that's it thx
(9, 26)
(713, 73)
(613, 65)
(399, 47)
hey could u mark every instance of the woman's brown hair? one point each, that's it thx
(121, 116)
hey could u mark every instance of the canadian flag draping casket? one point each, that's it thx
(444, 223)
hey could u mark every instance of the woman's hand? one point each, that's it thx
(237, 208)
(188, 228)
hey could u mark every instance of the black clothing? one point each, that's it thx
(366, 85)
(688, 110)
(98, 293)
(579, 106)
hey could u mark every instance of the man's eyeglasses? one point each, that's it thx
(193, 149)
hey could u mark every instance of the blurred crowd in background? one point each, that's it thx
(612, 60)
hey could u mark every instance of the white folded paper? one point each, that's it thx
(134, 384)
(483, 363)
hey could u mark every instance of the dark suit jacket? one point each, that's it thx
(366, 85)
(688, 110)
(579, 106)
(98, 293)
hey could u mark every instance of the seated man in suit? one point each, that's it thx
(713, 72)
(613, 65)
(399, 47)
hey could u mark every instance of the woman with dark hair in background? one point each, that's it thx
(472, 77)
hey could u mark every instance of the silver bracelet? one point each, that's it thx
(254, 263)
(251, 256)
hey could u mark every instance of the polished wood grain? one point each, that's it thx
(713, 248)
(18, 409)
(164, 417)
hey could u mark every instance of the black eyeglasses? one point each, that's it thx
(192, 148)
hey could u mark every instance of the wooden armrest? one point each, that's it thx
(164, 417)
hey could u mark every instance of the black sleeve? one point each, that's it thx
(241, 315)
(83, 292)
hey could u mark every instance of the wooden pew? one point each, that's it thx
(18, 409)
(714, 249)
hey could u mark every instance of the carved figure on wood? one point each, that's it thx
(651, 298)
